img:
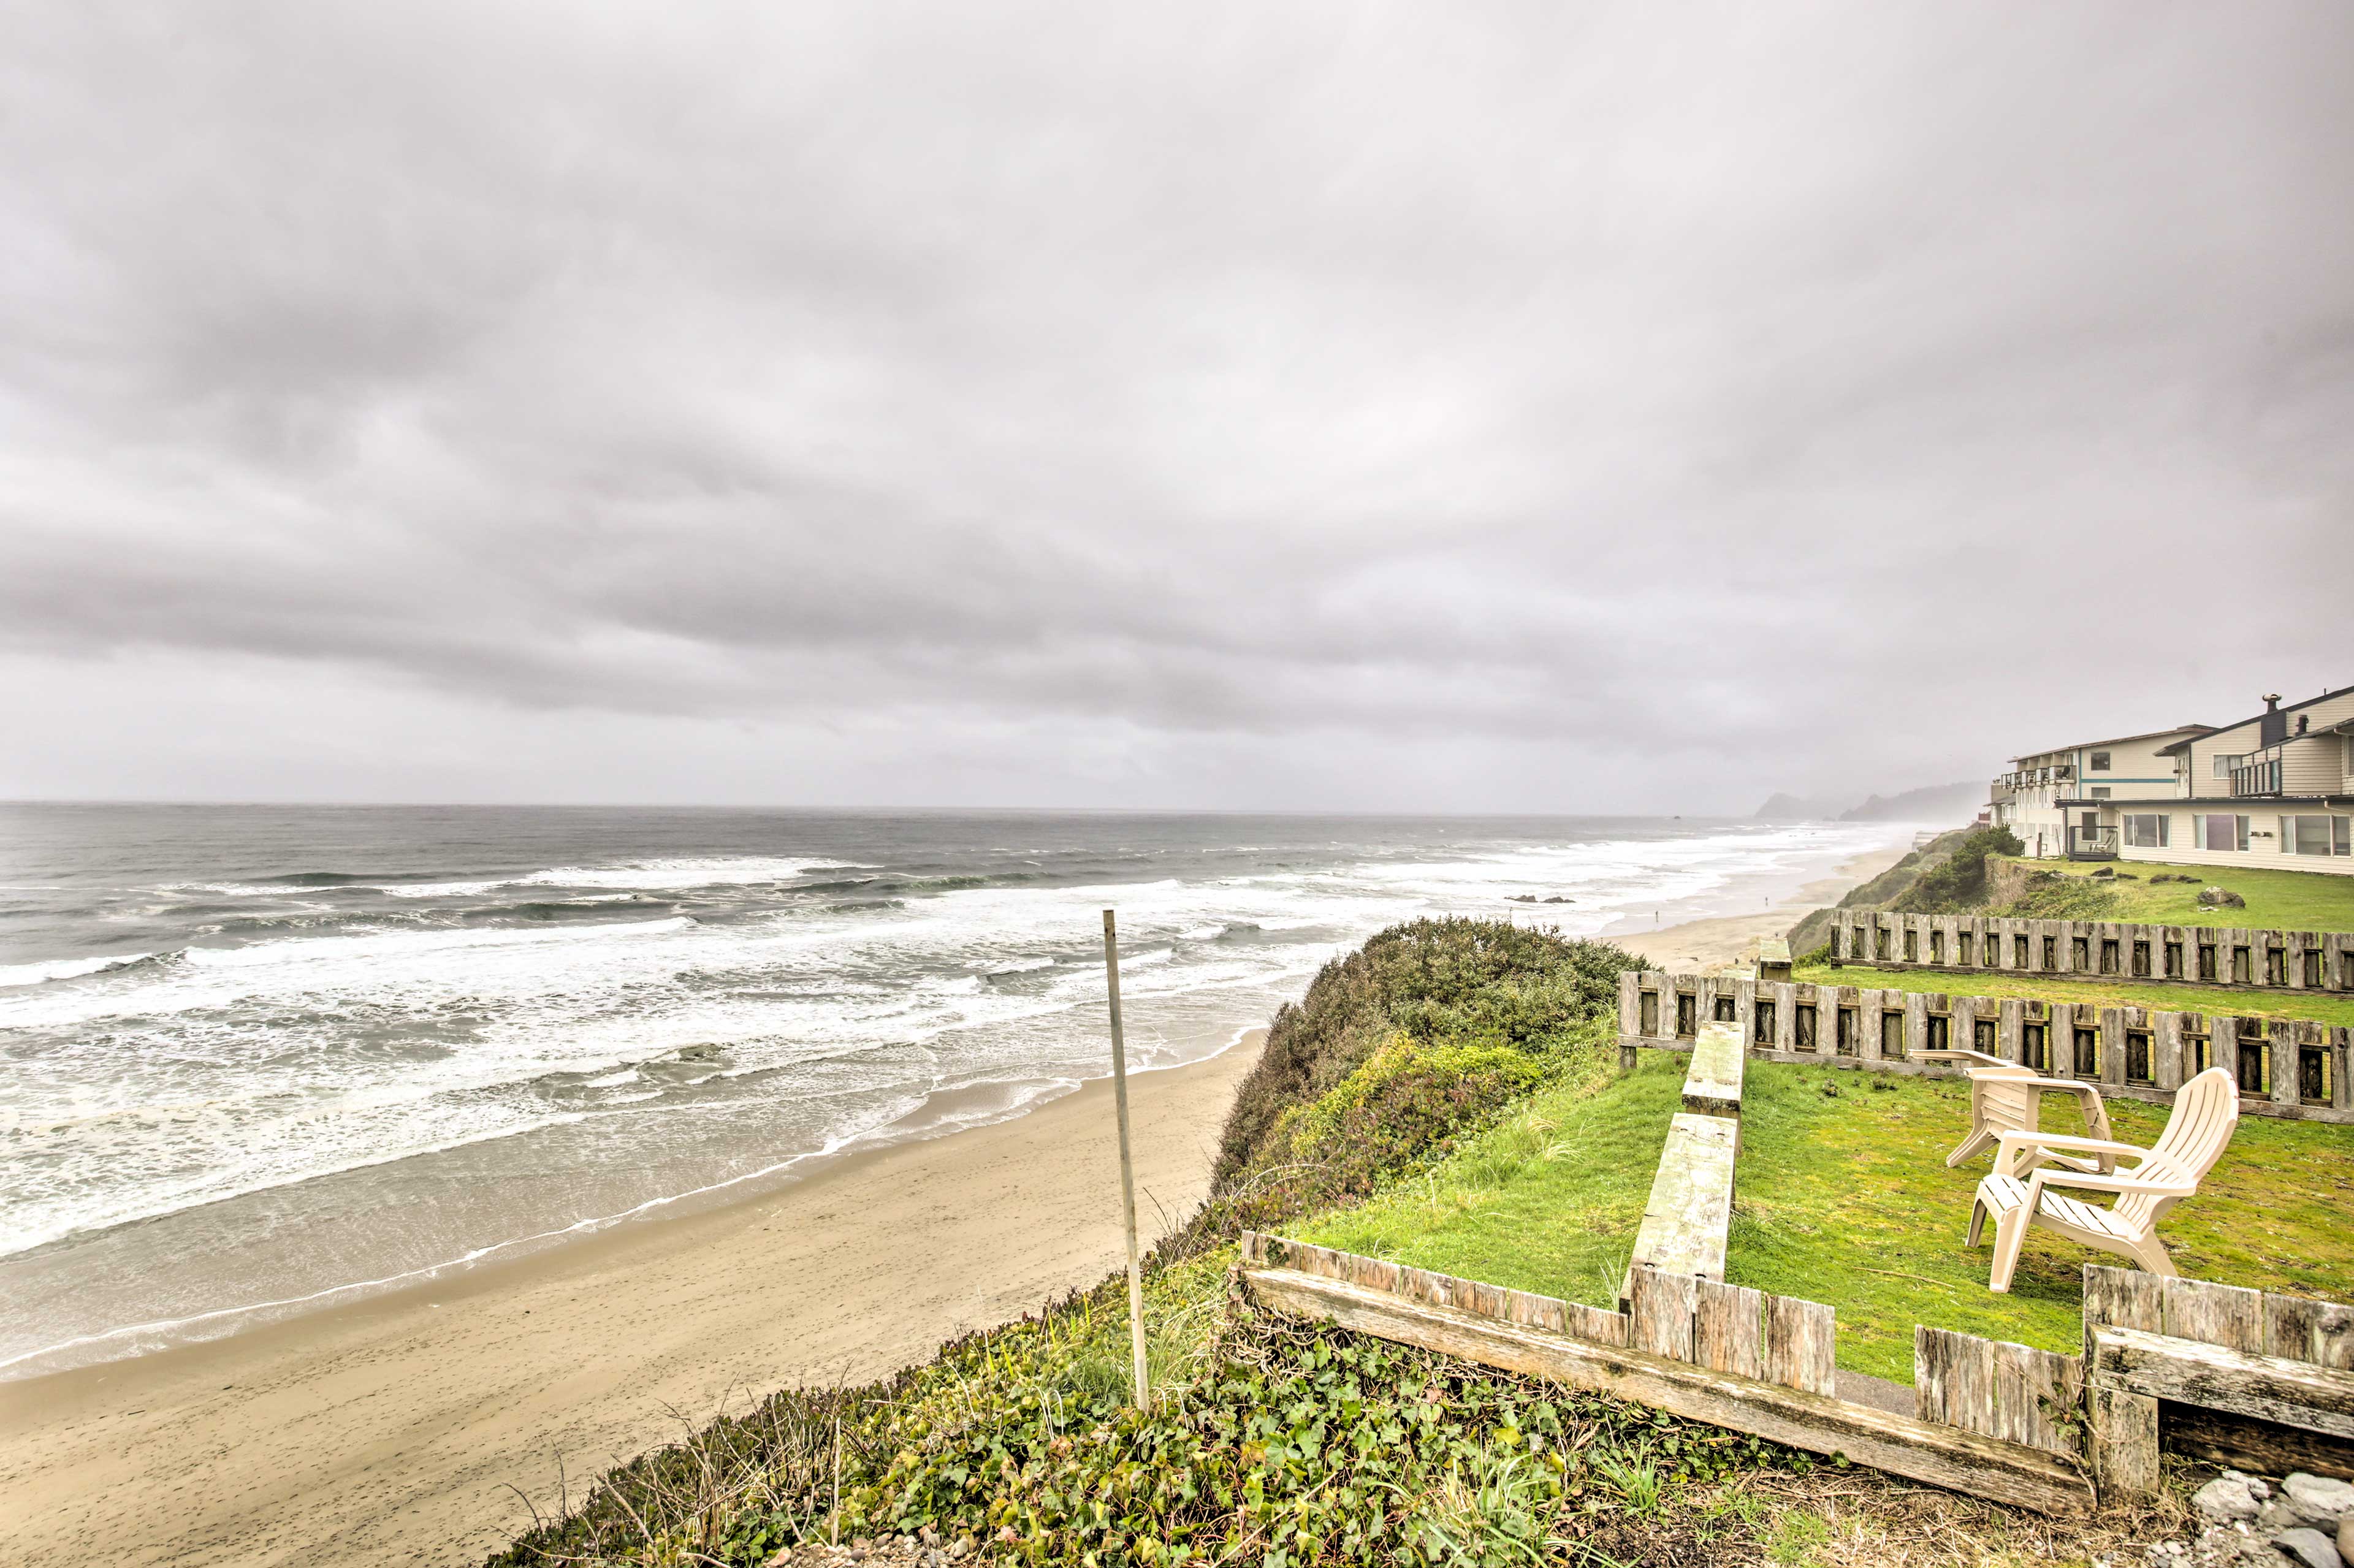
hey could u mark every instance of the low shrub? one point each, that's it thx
(1269, 1441)
(1431, 982)
(1958, 884)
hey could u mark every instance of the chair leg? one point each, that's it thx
(2150, 1253)
(1970, 1146)
(2009, 1235)
(1977, 1221)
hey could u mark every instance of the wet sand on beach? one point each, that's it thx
(389, 1430)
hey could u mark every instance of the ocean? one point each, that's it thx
(256, 1059)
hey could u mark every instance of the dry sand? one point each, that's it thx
(1705, 944)
(389, 1431)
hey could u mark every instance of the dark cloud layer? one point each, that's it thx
(1558, 408)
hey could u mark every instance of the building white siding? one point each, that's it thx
(2264, 851)
(2312, 764)
(2134, 770)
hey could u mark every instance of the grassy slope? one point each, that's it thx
(1844, 1199)
(1548, 1200)
(2328, 1008)
(2277, 899)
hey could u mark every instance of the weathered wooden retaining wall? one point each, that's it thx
(2228, 956)
(1738, 1358)
(2217, 1372)
(2295, 1068)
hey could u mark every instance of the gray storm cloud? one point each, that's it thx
(1256, 405)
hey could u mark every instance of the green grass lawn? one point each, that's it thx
(2323, 1006)
(1842, 1198)
(2281, 900)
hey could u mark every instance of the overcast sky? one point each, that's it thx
(1554, 408)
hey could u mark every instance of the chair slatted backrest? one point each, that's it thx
(2197, 1132)
(2008, 1096)
(2003, 1099)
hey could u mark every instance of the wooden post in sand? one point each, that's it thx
(1126, 1167)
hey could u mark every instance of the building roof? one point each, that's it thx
(2196, 730)
(2290, 709)
(2199, 803)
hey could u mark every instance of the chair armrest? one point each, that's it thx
(2073, 1142)
(2120, 1181)
(1957, 1054)
(2064, 1086)
(2009, 1145)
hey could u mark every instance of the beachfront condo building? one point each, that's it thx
(2274, 789)
(2051, 798)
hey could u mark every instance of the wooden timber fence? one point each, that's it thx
(2227, 957)
(1735, 1357)
(2294, 1068)
(2215, 1372)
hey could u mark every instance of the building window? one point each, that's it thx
(2100, 762)
(2314, 835)
(2146, 829)
(2225, 764)
(2221, 832)
(2100, 791)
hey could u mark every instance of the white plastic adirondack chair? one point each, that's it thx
(2018, 1192)
(2007, 1097)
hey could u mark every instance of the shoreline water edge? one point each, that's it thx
(411, 1424)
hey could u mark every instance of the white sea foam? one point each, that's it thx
(649, 876)
(64, 968)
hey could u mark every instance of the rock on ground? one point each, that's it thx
(2226, 1498)
(2306, 1519)
(2317, 1500)
(2309, 1547)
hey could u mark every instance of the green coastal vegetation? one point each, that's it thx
(2276, 899)
(1448, 1096)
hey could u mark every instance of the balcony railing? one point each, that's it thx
(2257, 779)
(2032, 777)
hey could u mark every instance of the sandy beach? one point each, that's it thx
(1708, 943)
(390, 1431)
